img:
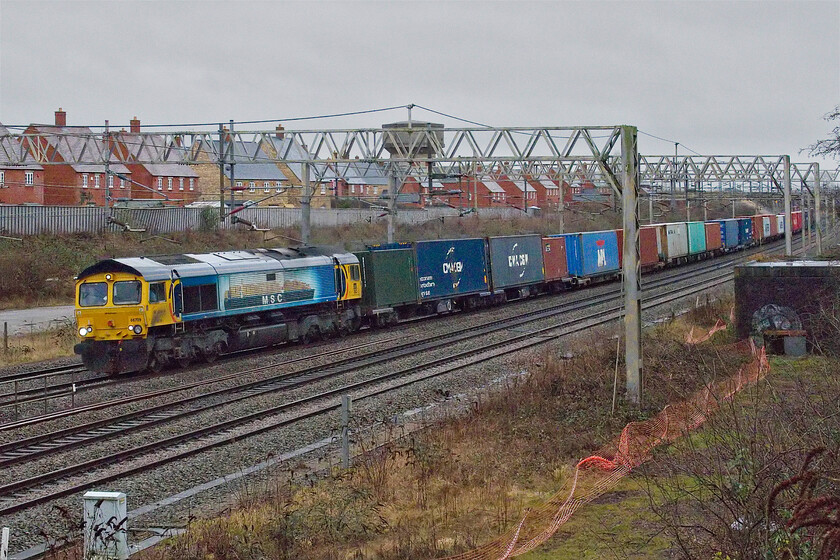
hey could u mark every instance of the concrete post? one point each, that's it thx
(788, 223)
(4, 544)
(650, 209)
(632, 270)
(306, 206)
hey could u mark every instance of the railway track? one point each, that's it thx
(22, 494)
(32, 387)
(46, 487)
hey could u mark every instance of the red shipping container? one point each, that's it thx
(554, 258)
(796, 220)
(758, 228)
(648, 246)
(774, 225)
(714, 240)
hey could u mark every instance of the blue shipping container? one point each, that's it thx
(728, 233)
(592, 253)
(745, 233)
(452, 267)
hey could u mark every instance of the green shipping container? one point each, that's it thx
(389, 278)
(696, 237)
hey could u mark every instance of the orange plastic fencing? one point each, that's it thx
(597, 474)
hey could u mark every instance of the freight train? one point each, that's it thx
(144, 313)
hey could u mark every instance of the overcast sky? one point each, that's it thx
(719, 77)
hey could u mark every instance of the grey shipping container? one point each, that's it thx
(451, 268)
(389, 278)
(515, 260)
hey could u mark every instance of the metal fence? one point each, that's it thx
(37, 220)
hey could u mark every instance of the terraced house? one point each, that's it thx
(19, 184)
(68, 184)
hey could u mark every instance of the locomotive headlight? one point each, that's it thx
(137, 329)
(84, 331)
(107, 277)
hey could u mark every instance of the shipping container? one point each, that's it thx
(515, 260)
(729, 232)
(650, 246)
(768, 230)
(389, 278)
(745, 231)
(449, 268)
(696, 237)
(676, 241)
(714, 237)
(796, 221)
(757, 224)
(780, 224)
(554, 258)
(774, 225)
(593, 253)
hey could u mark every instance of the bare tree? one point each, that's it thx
(830, 146)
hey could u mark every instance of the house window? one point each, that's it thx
(180, 183)
(252, 186)
(96, 181)
(192, 183)
(110, 181)
(267, 186)
(352, 189)
(2, 179)
(160, 183)
(84, 181)
(122, 182)
(375, 190)
(29, 178)
(323, 189)
(278, 185)
(169, 183)
(239, 184)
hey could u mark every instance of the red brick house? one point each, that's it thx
(69, 184)
(172, 181)
(19, 184)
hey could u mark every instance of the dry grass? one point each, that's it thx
(39, 346)
(462, 482)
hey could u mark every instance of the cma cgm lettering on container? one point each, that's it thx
(452, 267)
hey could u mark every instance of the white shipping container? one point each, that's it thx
(781, 223)
(677, 236)
(766, 222)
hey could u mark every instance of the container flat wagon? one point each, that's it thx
(592, 254)
(554, 262)
(389, 284)
(696, 238)
(516, 265)
(676, 242)
(452, 273)
(714, 236)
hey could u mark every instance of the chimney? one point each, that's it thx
(135, 124)
(60, 118)
(280, 130)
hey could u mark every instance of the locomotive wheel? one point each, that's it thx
(184, 362)
(155, 364)
(311, 335)
(211, 354)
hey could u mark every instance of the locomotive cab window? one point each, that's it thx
(157, 292)
(127, 292)
(354, 272)
(93, 294)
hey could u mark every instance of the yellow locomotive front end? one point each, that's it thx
(114, 313)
